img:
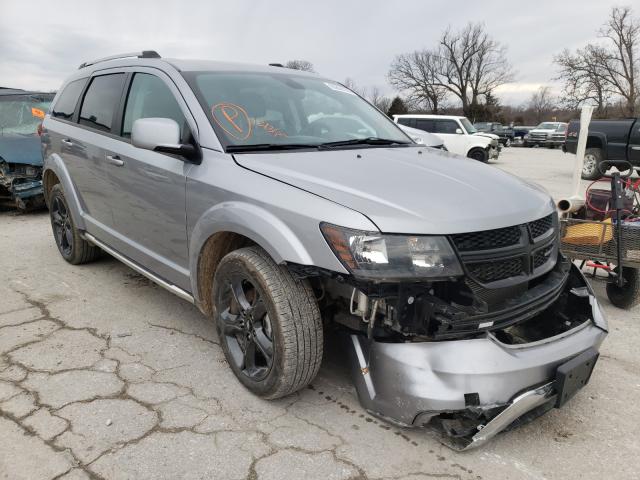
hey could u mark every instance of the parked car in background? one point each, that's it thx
(606, 140)
(546, 134)
(504, 133)
(519, 132)
(21, 113)
(458, 133)
(423, 138)
(444, 278)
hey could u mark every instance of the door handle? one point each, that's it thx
(635, 148)
(67, 142)
(115, 160)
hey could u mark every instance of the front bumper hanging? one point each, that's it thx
(472, 389)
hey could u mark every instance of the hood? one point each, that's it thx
(21, 149)
(492, 136)
(543, 130)
(404, 191)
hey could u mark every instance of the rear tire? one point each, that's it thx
(268, 322)
(73, 248)
(479, 154)
(592, 159)
(628, 295)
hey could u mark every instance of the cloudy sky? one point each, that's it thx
(41, 42)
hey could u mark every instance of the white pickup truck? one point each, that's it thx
(458, 134)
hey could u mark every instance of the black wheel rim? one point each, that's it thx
(245, 328)
(62, 230)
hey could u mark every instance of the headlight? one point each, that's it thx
(386, 257)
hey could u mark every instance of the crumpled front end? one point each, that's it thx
(470, 389)
(21, 185)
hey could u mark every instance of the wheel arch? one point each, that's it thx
(596, 141)
(233, 225)
(55, 172)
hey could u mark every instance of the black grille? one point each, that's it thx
(540, 227)
(489, 239)
(542, 256)
(494, 270)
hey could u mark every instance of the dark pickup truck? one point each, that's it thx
(505, 134)
(607, 140)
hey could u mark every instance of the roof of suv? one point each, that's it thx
(187, 65)
(423, 115)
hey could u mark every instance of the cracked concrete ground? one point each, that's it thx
(103, 375)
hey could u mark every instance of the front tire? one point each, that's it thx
(73, 248)
(268, 323)
(479, 154)
(590, 166)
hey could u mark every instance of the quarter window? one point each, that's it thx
(66, 105)
(149, 97)
(101, 101)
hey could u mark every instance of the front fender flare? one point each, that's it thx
(253, 222)
(55, 164)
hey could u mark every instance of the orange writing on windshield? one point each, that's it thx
(36, 112)
(233, 119)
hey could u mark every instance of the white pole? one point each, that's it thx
(576, 200)
(585, 119)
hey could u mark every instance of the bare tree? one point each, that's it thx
(381, 101)
(621, 62)
(417, 73)
(599, 72)
(467, 63)
(584, 79)
(476, 64)
(542, 103)
(303, 65)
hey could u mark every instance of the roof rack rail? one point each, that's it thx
(143, 54)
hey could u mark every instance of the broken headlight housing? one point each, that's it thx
(383, 257)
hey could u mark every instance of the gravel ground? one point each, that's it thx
(105, 375)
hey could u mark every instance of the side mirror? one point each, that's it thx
(459, 131)
(162, 135)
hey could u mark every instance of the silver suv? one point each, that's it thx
(283, 205)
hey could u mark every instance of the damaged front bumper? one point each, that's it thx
(21, 185)
(472, 389)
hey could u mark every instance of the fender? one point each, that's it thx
(55, 164)
(275, 236)
(598, 138)
(478, 141)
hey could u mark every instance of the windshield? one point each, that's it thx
(280, 109)
(547, 126)
(467, 126)
(21, 114)
(483, 126)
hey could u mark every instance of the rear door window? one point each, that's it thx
(445, 126)
(66, 105)
(150, 97)
(101, 101)
(425, 124)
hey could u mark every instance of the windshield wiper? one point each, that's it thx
(364, 141)
(271, 146)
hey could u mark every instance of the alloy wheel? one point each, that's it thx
(62, 227)
(245, 327)
(590, 164)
